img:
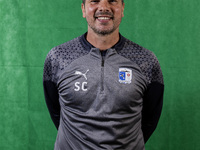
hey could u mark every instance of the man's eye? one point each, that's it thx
(112, 1)
(94, 1)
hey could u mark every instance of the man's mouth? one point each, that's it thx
(103, 18)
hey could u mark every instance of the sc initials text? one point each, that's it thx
(80, 86)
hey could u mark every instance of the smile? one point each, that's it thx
(103, 18)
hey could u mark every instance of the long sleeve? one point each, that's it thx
(152, 106)
(153, 101)
(51, 92)
(51, 98)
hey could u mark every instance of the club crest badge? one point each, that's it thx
(125, 75)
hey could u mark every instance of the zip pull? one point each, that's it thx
(103, 54)
(102, 62)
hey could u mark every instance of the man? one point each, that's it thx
(103, 91)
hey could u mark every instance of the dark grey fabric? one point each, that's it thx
(98, 109)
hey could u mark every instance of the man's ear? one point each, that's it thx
(83, 10)
(123, 10)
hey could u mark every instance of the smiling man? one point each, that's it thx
(103, 91)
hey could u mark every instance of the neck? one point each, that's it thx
(103, 42)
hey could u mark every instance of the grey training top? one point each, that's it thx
(97, 101)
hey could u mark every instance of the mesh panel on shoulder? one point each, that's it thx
(60, 56)
(145, 59)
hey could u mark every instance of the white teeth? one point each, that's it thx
(103, 18)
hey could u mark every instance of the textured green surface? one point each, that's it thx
(30, 28)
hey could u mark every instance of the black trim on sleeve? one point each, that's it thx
(152, 107)
(52, 101)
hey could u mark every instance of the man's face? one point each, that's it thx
(103, 16)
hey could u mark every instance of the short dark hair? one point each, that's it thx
(83, 1)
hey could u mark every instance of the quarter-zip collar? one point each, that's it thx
(97, 54)
(88, 46)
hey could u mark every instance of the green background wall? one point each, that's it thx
(30, 28)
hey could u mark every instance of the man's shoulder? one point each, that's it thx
(72, 44)
(68, 48)
(145, 59)
(131, 47)
(62, 55)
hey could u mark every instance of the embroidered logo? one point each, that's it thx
(83, 74)
(125, 75)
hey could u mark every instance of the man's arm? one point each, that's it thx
(153, 101)
(51, 92)
(152, 106)
(52, 101)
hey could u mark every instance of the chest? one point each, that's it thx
(107, 84)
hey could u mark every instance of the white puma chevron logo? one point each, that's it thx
(83, 74)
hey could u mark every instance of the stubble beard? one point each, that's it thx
(102, 32)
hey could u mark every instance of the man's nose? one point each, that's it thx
(104, 5)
